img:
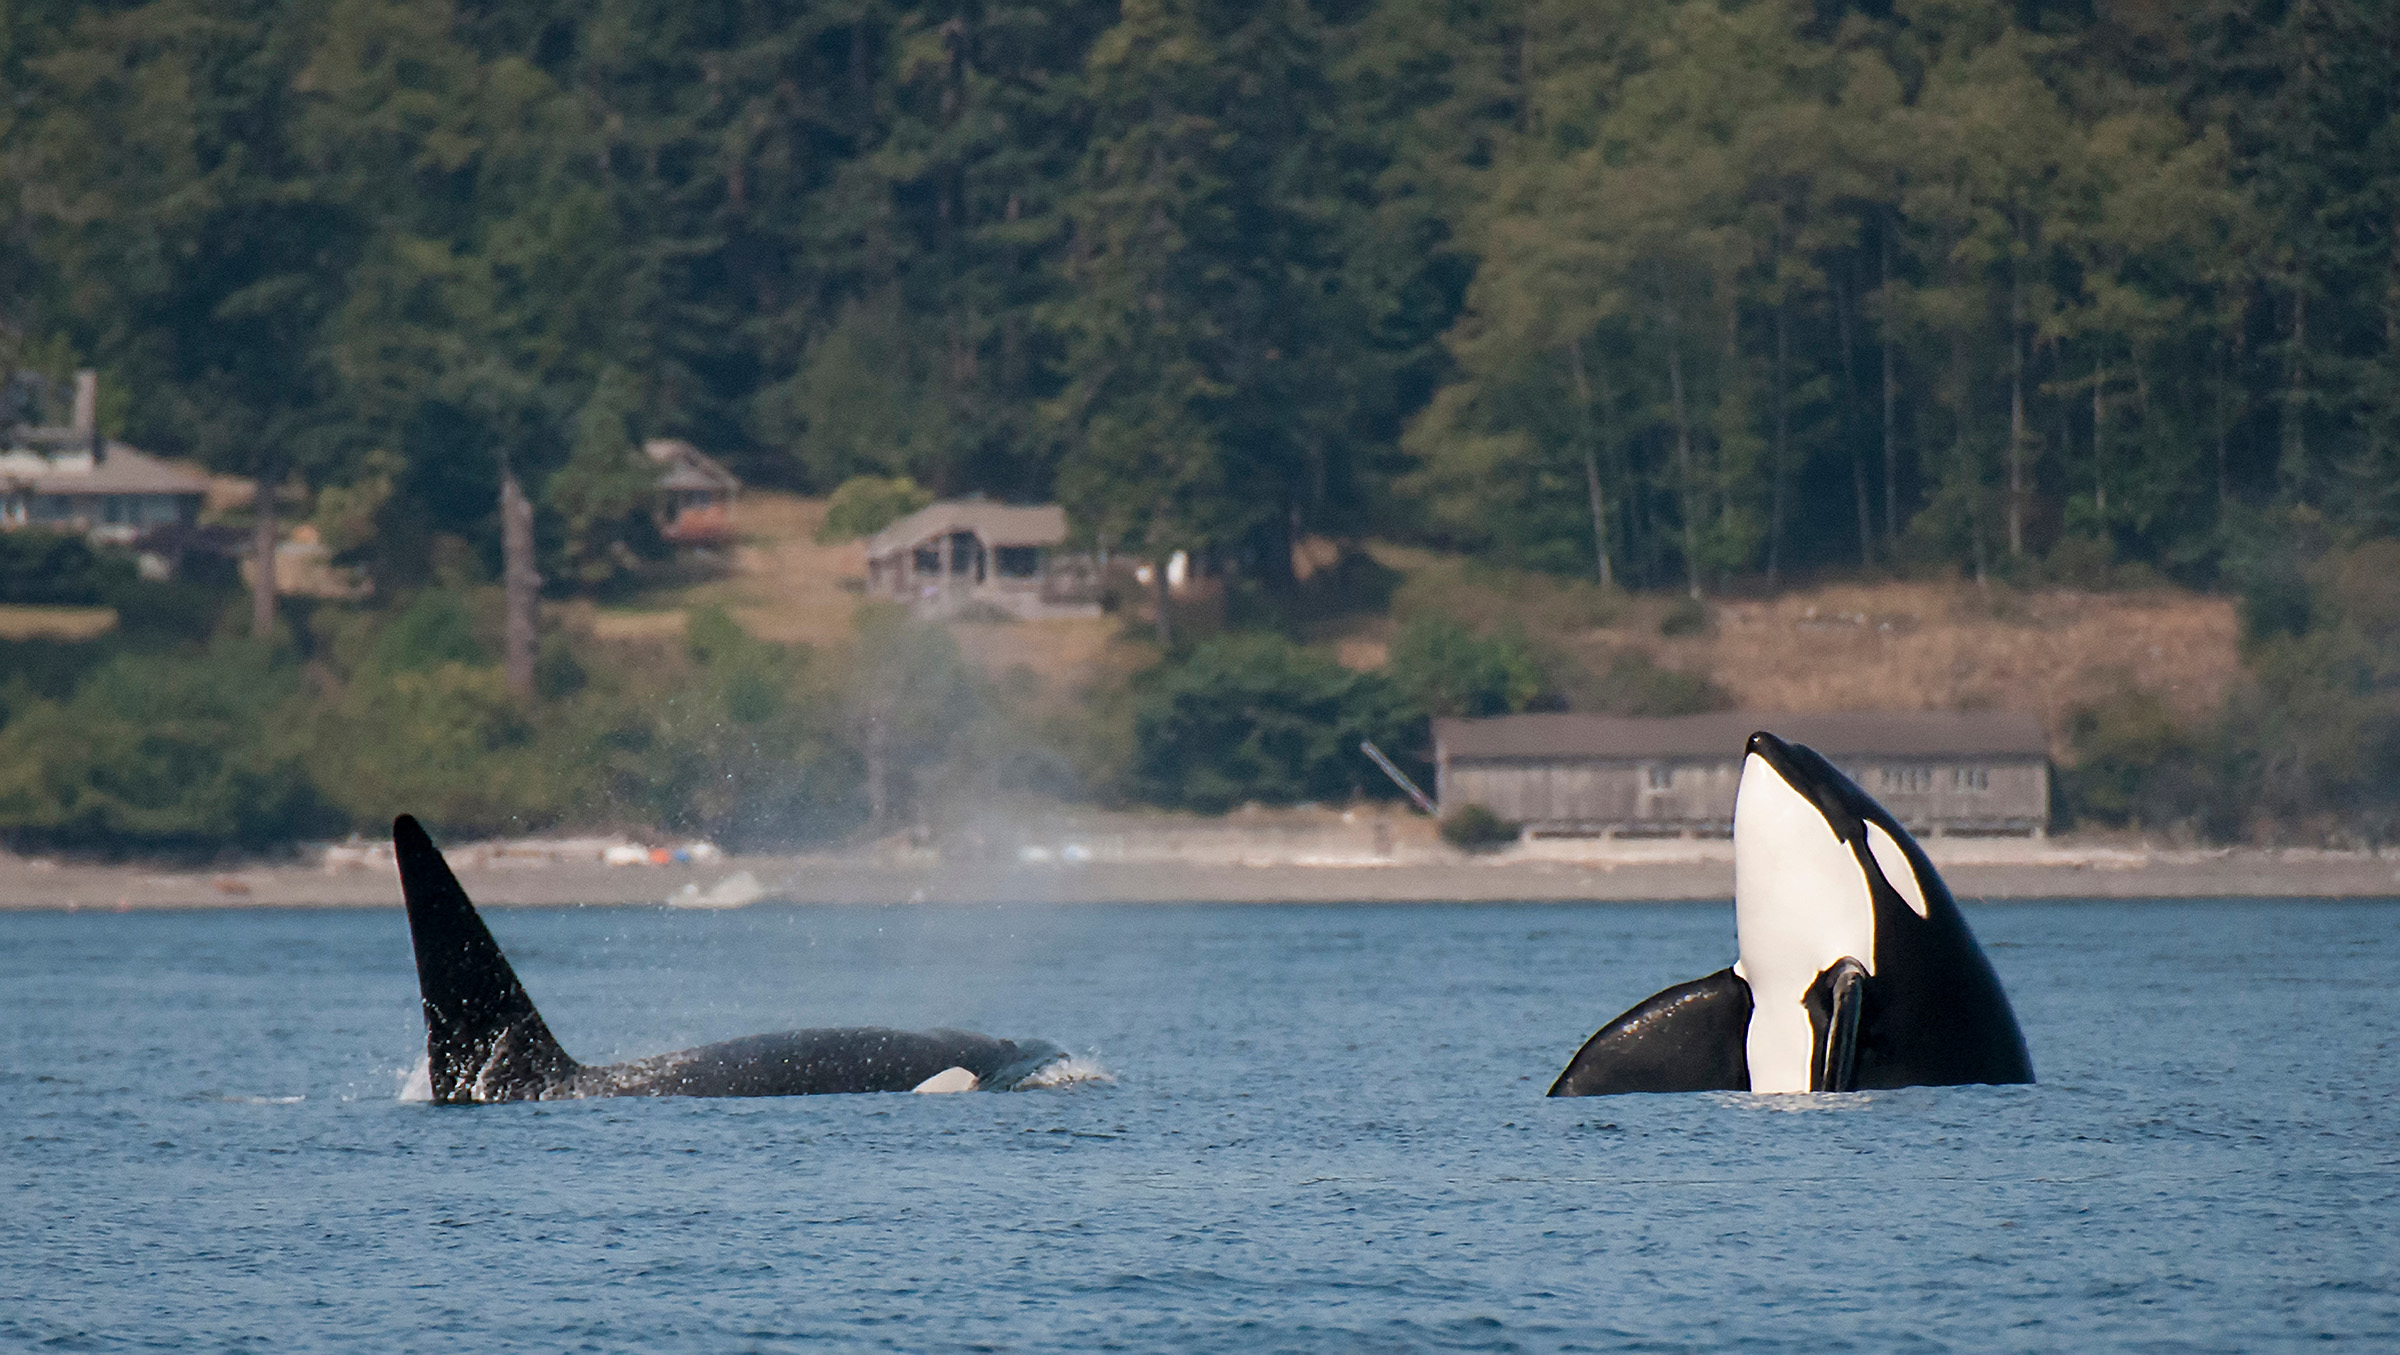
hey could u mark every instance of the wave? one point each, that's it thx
(1074, 1070)
(417, 1083)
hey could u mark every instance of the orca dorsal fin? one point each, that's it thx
(483, 1039)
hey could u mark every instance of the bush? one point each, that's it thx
(2134, 765)
(1446, 669)
(42, 568)
(1256, 717)
(1471, 827)
(1689, 616)
(866, 504)
(162, 751)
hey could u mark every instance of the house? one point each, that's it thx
(695, 494)
(71, 477)
(1982, 772)
(955, 557)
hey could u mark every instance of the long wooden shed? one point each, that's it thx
(1983, 772)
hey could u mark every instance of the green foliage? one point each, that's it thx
(604, 494)
(2135, 765)
(1471, 827)
(1687, 616)
(1258, 718)
(435, 628)
(866, 504)
(2316, 743)
(58, 569)
(1635, 684)
(174, 751)
(1442, 668)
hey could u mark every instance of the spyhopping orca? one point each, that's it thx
(1856, 969)
(485, 1042)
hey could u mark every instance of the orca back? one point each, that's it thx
(483, 1039)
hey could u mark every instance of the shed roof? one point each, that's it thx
(686, 467)
(997, 524)
(123, 471)
(1723, 734)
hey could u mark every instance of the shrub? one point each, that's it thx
(1471, 827)
(1256, 717)
(1689, 616)
(162, 751)
(866, 504)
(1446, 669)
(43, 568)
(2133, 764)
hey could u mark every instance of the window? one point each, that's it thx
(1657, 777)
(1904, 780)
(1017, 562)
(1971, 779)
(929, 560)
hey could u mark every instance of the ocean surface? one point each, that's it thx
(1325, 1131)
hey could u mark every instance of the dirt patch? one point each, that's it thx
(56, 623)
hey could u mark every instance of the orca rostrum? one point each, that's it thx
(1855, 970)
(485, 1042)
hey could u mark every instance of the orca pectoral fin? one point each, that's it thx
(483, 1039)
(1836, 1005)
(1691, 1038)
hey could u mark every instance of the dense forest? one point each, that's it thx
(1699, 295)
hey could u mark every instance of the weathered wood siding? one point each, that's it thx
(1587, 795)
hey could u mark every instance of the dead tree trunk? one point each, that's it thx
(1166, 623)
(1591, 465)
(264, 532)
(520, 585)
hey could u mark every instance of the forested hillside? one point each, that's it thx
(1701, 296)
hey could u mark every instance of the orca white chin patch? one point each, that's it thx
(946, 1081)
(1800, 903)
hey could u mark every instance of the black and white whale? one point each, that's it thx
(1856, 969)
(485, 1042)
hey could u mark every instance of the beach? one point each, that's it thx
(1205, 866)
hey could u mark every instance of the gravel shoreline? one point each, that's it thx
(1631, 873)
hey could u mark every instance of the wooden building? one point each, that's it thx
(70, 477)
(962, 556)
(1981, 772)
(695, 494)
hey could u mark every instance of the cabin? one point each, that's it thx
(72, 478)
(965, 556)
(695, 494)
(1560, 775)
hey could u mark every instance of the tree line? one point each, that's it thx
(1672, 294)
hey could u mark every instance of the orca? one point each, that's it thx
(484, 1042)
(1856, 970)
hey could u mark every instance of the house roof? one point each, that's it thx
(1723, 734)
(686, 467)
(996, 524)
(122, 471)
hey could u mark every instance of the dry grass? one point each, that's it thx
(1934, 646)
(56, 623)
(783, 586)
(1069, 650)
(1865, 646)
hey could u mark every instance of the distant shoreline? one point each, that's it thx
(1645, 872)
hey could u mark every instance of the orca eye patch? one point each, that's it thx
(1896, 869)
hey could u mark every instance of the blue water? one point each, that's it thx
(1326, 1132)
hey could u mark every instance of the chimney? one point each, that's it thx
(87, 402)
